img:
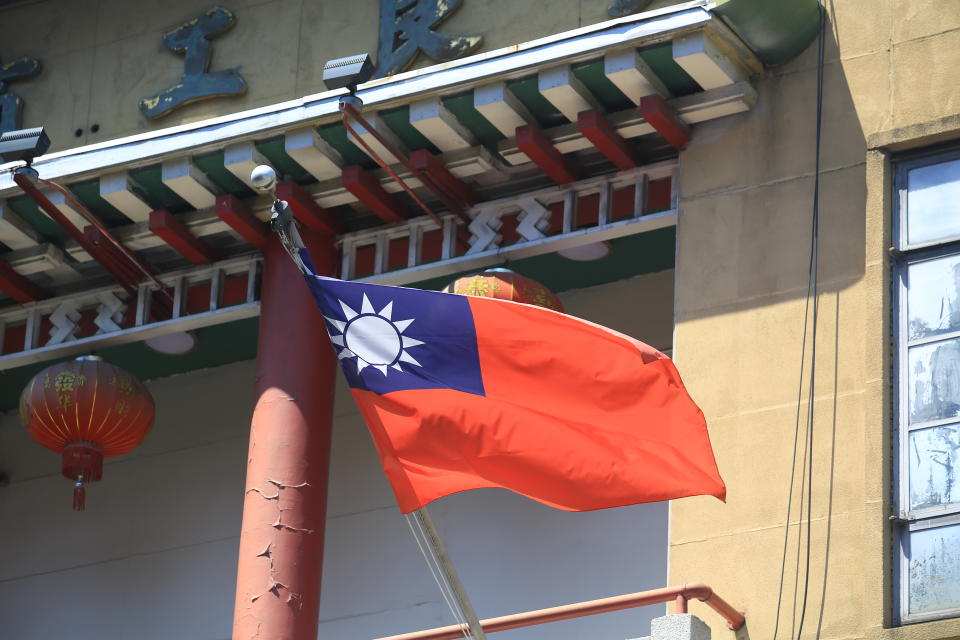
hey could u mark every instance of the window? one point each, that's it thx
(927, 306)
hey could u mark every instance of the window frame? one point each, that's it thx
(904, 255)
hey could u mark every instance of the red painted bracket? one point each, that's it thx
(238, 216)
(541, 151)
(308, 212)
(607, 140)
(429, 164)
(369, 192)
(17, 286)
(664, 120)
(175, 234)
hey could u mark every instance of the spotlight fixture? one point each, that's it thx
(23, 144)
(348, 72)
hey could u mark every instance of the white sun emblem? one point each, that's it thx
(373, 338)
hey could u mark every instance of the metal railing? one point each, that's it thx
(680, 595)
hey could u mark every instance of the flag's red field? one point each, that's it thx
(572, 414)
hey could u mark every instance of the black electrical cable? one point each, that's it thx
(811, 293)
(793, 469)
(814, 274)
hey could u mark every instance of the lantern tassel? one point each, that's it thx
(79, 497)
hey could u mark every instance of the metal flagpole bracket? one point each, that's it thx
(264, 180)
(283, 223)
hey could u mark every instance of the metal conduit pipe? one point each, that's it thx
(679, 594)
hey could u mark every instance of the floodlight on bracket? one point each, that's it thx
(347, 73)
(24, 145)
(116, 259)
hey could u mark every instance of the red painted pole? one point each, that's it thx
(284, 509)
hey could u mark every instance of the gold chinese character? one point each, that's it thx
(65, 381)
(126, 386)
(65, 401)
(122, 407)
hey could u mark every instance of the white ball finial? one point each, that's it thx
(264, 178)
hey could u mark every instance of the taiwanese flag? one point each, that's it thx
(463, 392)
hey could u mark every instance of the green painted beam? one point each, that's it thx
(660, 59)
(89, 194)
(629, 256)
(607, 94)
(336, 136)
(160, 194)
(212, 165)
(526, 91)
(286, 166)
(30, 212)
(399, 122)
(462, 107)
(218, 345)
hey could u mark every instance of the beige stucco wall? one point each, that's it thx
(154, 556)
(741, 284)
(100, 57)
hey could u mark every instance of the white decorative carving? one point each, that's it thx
(65, 319)
(109, 313)
(534, 219)
(484, 227)
(107, 307)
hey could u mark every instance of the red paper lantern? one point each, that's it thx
(87, 410)
(505, 285)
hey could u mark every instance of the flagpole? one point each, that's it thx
(452, 578)
(285, 226)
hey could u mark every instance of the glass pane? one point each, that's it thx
(933, 202)
(934, 569)
(934, 380)
(934, 466)
(933, 298)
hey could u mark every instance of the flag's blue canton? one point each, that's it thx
(442, 322)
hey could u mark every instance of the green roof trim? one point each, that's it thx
(275, 151)
(629, 256)
(217, 345)
(89, 194)
(399, 122)
(212, 165)
(160, 194)
(660, 59)
(593, 78)
(461, 106)
(40, 221)
(336, 136)
(527, 92)
(776, 30)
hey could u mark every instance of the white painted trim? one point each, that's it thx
(123, 192)
(131, 334)
(450, 265)
(549, 244)
(507, 63)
